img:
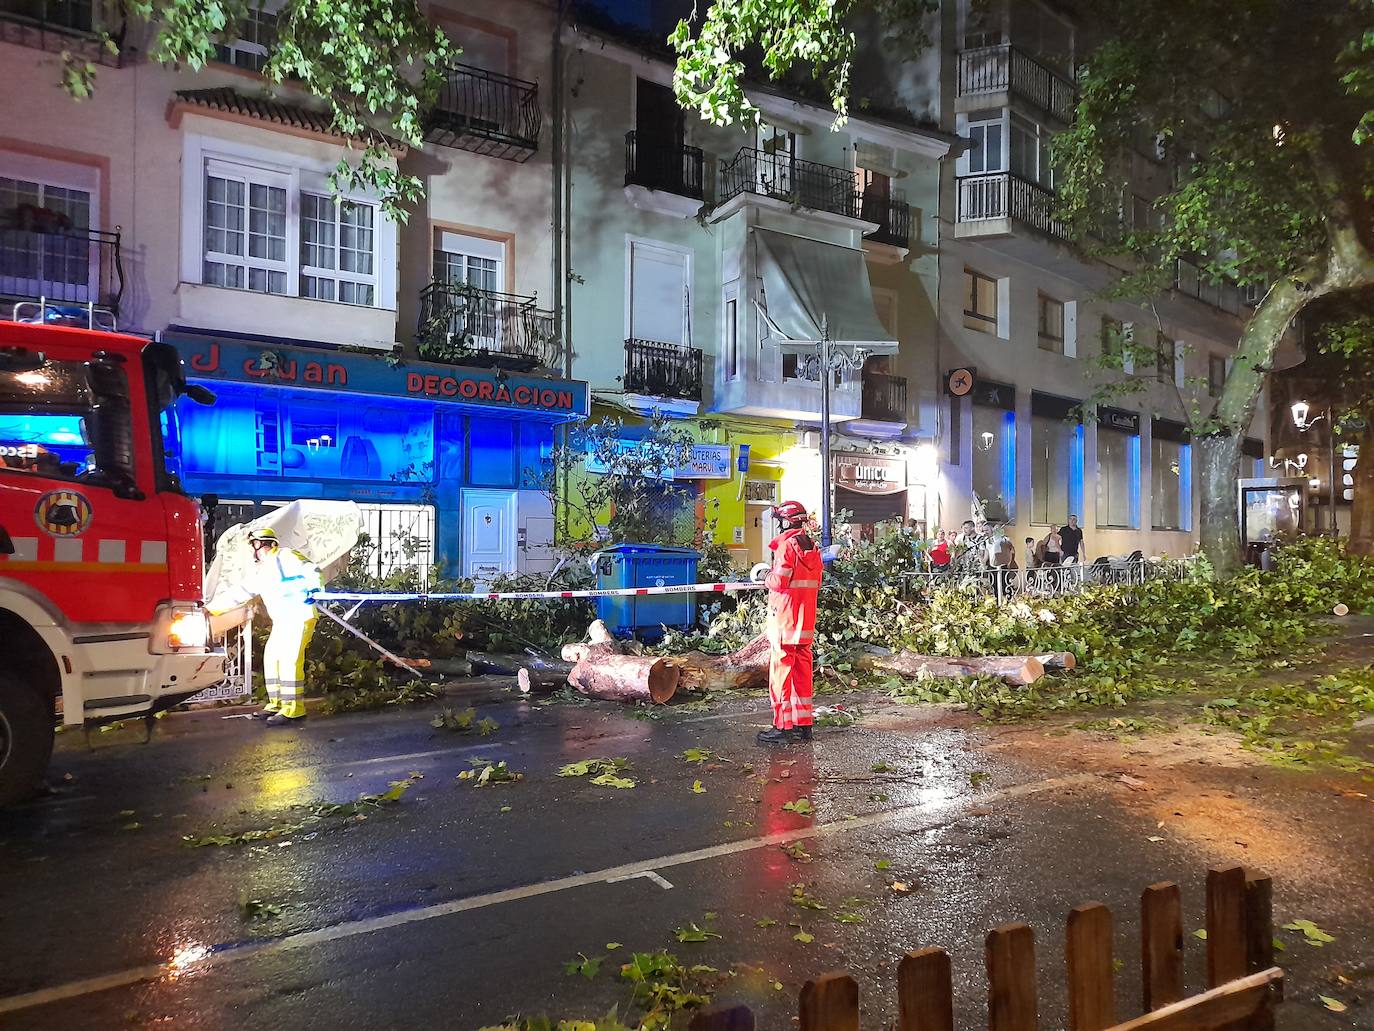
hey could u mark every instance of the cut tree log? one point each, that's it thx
(1014, 669)
(743, 669)
(626, 678)
(1058, 660)
(542, 674)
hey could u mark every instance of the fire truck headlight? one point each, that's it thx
(181, 628)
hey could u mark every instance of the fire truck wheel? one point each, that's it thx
(26, 736)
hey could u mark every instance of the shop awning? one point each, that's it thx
(807, 281)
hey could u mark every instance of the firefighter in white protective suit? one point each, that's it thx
(284, 580)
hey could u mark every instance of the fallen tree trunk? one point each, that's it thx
(743, 669)
(1058, 660)
(600, 641)
(626, 678)
(540, 673)
(1014, 669)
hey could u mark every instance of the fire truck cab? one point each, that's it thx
(101, 552)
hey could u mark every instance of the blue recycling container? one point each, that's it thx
(646, 565)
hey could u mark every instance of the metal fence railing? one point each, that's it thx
(662, 370)
(1008, 585)
(458, 320)
(487, 113)
(891, 212)
(1004, 68)
(998, 195)
(784, 177)
(65, 266)
(883, 397)
(674, 167)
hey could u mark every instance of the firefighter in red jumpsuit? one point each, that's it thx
(793, 583)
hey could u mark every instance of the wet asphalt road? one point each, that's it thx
(459, 905)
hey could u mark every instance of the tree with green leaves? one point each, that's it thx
(377, 64)
(1265, 108)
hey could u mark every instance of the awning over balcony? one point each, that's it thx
(807, 281)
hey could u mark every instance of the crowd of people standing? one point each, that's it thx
(979, 545)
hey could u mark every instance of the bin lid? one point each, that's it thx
(649, 549)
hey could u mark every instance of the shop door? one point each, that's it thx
(489, 521)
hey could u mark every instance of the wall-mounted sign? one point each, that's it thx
(211, 359)
(960, 381)
(995, 395)
(764, 492)
(705, 462)
(1118, 419)
(869, 474)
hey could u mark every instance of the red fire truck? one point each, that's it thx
(100, 551)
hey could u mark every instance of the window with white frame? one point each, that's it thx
(270, 223)
(246, 228)
(46, 244)
(980, 302)
(1051, 324)
(257, 33)
(659, 293)
(472, 260)
(985, 152)
(1030, 151)
(338, 240)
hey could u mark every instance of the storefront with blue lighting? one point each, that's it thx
(297, 422)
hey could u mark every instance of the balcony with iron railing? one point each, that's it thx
(988, 204)
(988, 71)
(657, 369)
(1190, 280)
(76, 26)
(486, 113)
(674, 167)
(461, 324)
(65, 266)
(786, 178)
(882, 397)
(892, 214)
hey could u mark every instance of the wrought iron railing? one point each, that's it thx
(662, 370)
(674, 167)
(806, 183)
(891, 212)
(1005, 69)
(1012, 586)
(883, 397)
(66, 266)
(462, 324)
(1189, 279)
(486, 113)
(983, 198)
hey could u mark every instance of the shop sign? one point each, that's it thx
(869, 474)
(705, 462)
(210, 359)
(1118, 419)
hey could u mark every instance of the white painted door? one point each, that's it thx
(488, 534)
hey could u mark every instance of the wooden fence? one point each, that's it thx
(1244, 986)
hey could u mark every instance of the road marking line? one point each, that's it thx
(648, 875)
(648, 868)
(411, 756)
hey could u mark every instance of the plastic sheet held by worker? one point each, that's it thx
(325, 532)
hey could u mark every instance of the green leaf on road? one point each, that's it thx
(802, 899)
(1313, 934)
(610, 780)
(803, 937)
(881, 767)
(1200, 934)
(1334, 1005)
(693, 933)
(699, 755)
(612, 946)
(849, 918)
(583, 965)
(697, 789)
(797, 852)
(977, 777)
(766, 922)
(883, 864)
(802, 807)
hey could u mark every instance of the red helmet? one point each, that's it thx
(790, 511)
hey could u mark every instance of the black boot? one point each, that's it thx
(774, 736)
(800, 733)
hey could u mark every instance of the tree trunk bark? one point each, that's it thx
(1219, 451)
(1219, 521)
(741, 670)
(1014, 669)
(1362, 507)
(626, 678)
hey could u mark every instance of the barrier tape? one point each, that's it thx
(619, 592)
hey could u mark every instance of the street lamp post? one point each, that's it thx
(1300, 411)
(825, 433)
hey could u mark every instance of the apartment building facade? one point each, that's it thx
(700, 252)
(414, 368)
(1024, 323)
